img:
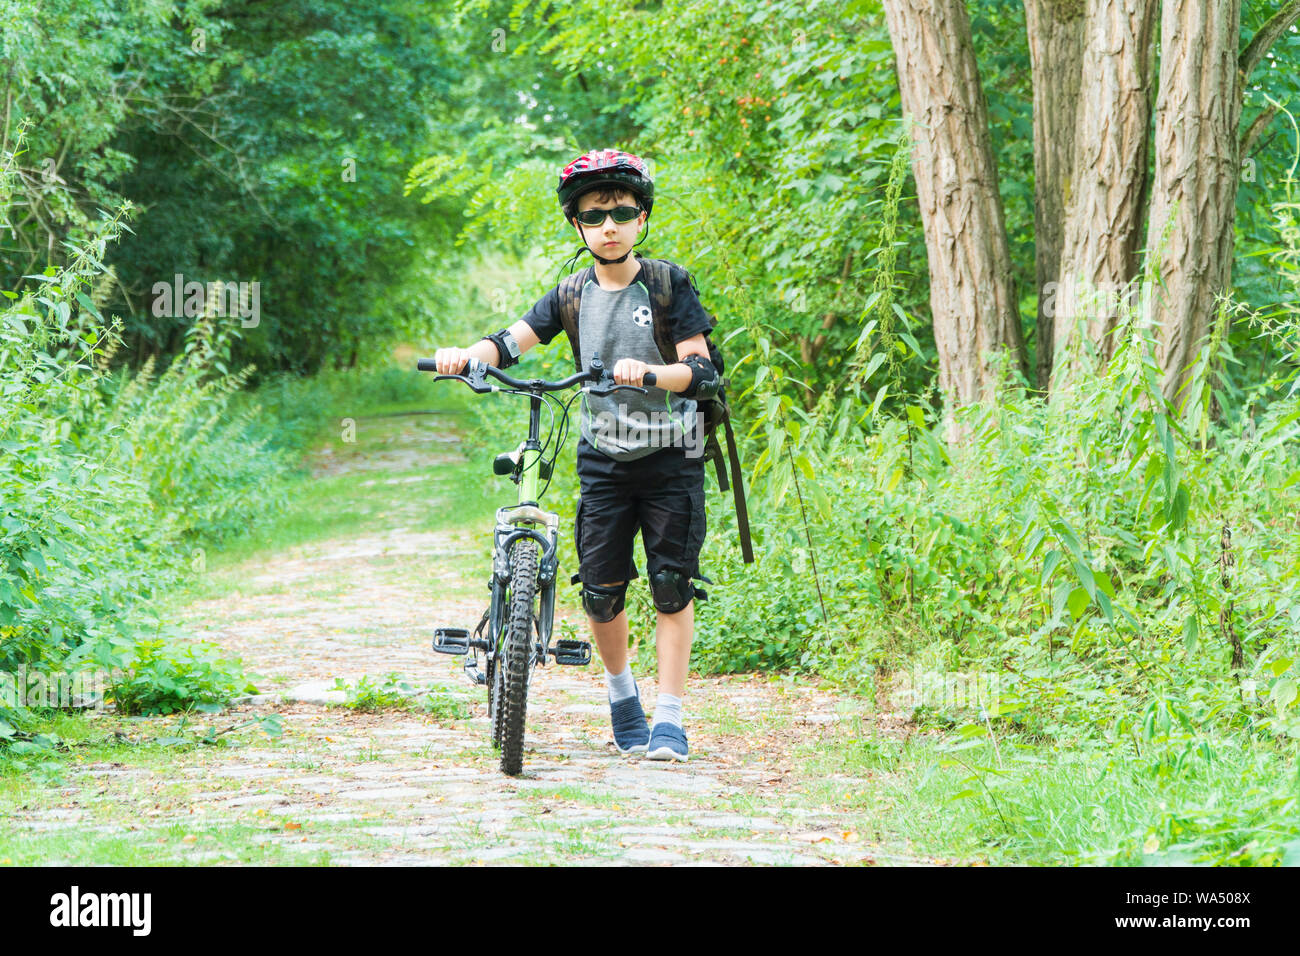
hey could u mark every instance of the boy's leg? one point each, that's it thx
(603, 536)
(673, 636)
(611, 638)
(672, 529)
(626, 716)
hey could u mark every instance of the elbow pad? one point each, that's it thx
(705, 380)
(507, 348)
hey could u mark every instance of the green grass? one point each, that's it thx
(569, 793)
(1089, 804)
(149, 846)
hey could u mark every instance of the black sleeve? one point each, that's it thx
(687, 317)
(544, 317)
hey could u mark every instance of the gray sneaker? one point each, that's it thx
(667, 743)
(628, 720)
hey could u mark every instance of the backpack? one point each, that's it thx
(658, 275)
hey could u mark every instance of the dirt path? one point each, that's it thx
(404, 787)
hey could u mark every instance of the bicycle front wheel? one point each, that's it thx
(496, 699)
(517, 667)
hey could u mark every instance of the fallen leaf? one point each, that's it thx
(293, 826)
(189, 838)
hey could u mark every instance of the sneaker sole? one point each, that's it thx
(665, 753)
(634, 749)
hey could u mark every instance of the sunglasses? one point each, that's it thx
(596, 217)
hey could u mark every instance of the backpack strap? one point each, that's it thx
(658, 277)
(658, 274)
(738, 489)
(570, 292)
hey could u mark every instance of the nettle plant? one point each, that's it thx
(106, 479)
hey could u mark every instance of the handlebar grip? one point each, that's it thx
(426, 365)
(648, 379)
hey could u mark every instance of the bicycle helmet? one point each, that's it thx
(609, 169)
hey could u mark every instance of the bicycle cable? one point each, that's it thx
(560, 438)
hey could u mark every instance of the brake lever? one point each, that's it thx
(481, 387)
(615, 388)
(478, 375)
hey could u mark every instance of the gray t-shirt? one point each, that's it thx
(627, 425)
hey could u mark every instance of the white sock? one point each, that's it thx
(668, 710)
(621, 686)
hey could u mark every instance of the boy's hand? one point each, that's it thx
(452, 361)
(630, 372)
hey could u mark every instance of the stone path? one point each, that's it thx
(405, 787)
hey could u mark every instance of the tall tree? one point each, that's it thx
(1055, 31)
(1198, 167)
(1102, 227)
(972, 297)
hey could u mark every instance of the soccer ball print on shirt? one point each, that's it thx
(641, 316)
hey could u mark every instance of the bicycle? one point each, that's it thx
(514, 632)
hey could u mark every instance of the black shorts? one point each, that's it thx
(660, 495)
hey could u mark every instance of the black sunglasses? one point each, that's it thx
(596, 217)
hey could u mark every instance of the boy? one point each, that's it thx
(634, 473)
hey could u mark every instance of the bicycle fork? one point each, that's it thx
(513, 524)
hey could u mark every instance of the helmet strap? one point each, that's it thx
(612, 262)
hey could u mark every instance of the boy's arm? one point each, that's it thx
(452, 361)
(673, 378)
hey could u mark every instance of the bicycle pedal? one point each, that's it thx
(475, 675)
(568, 651)
(451, 640)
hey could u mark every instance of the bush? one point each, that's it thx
(162, 679)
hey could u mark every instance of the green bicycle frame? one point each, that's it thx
(520, 521)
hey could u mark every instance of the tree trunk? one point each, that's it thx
(1103, 222)
(1197, 165)
(1198, 168)
(972, 299)
(1055, 30)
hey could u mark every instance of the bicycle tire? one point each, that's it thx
(496, 698)
(518, 663)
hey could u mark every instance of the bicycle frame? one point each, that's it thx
(520, 521)
(524, 520)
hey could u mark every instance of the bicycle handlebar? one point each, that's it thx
(478, 371)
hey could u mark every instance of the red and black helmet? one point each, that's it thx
(605, 168)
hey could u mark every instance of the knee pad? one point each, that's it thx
(601, 603)
(671, 590)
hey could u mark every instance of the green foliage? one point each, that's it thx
(762, 618)
(262, 145)
(112, 484)
(163, 679)
(396, 693)
(1225, 805)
